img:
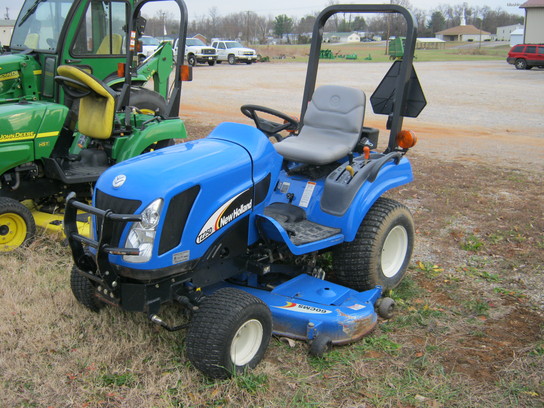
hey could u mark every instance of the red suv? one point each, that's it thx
(526, 56)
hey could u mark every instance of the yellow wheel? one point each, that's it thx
(17, 227)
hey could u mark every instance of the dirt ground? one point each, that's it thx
(476, 111)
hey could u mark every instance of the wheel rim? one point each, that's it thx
(246, 342)
(13, 231)
(394, 251)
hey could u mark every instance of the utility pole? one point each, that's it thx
(388, 30)
(247, 28)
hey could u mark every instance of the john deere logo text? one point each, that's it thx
(227, 213)
(9, 75)
(17, 136)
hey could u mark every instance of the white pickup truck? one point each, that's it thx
(233, 52)
(197, 52)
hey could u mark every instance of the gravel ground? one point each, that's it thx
(476, 111)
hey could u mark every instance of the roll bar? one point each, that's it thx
(403, 79)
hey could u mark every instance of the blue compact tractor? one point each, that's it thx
(253, 238)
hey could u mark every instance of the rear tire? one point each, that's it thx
(211, 63)
(381, 250)
(520, 64)
(229, 333)
(147, 100)
(17, 226)
(84, 291)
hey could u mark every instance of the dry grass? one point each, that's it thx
(468, 332)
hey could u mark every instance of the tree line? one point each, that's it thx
(253, 28)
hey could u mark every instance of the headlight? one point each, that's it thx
(142, 234)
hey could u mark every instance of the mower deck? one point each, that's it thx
(305, 308)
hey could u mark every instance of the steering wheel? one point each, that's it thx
(73, 88)
(266, 126)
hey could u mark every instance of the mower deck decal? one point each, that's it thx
(299, 308)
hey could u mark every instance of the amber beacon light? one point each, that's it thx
(406, 139)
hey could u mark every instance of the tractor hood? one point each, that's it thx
(203, 188)
(225, 161)
(165, 172)
(16, 70)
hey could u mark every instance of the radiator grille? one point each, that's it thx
(118, 205)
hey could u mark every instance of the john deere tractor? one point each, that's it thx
(73, 103)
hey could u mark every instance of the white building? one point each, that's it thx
(504, 32)
(516, 37)
(6, 29)
(534, 21)
(341, 37)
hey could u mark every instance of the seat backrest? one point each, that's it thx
(331, 127)
(337, 109)
(32, 40)
(116, 44)
(96, 110)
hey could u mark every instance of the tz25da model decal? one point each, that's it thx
(226, 214)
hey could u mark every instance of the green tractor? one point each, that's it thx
(73, 103)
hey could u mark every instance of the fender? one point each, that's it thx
(391, 175)
(28, 131)
(154, 132)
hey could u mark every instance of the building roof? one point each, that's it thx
(7, 23)
(429, 40)
(462, 30)
(532, 3)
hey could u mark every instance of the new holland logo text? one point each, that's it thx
(300, 308)
(226, 214)
(224, 220)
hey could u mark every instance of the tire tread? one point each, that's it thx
(353, 262)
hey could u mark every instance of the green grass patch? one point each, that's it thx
(117, 380)
(375, 52)
(509, 292)
(472, 243)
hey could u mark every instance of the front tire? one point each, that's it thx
(84, 291)
(211, 63)
(520, 63)
(191, 60)
(232, 59)
(17, 226)
(381, 250)
(229, 333)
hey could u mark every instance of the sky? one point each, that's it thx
(298, 8)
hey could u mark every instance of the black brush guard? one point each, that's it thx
(100, 271)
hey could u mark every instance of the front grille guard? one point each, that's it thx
(101, 270)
